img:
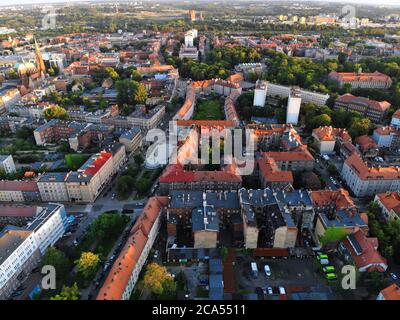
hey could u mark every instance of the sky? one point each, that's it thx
(380, 2)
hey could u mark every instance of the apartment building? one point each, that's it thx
(260, 93)
(271, 176)
(131, 139)
(299, 159)
(125, 271)
(396, 120)
(375, 80)
(19, 254)
(293, 107)
(21, 248)
(389, 202)
(387, 137)
(365, 181)
(327, 138)
(19, 191)
(7, 164)
(277, 90)
(372, 109)
(85, 184)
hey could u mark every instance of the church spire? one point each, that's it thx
(39, 60)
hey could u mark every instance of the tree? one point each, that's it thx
(359, 127)
(140, 94)
(158, 280)
(56, 258)
(138, 159)
(88, 264)
(125, 184)
(333, 234)
(55, 112)
(320, 120)
(68, 293)
(143, 185)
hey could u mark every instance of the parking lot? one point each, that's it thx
(292, 274)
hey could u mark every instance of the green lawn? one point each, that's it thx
(75, 161)
(209, 110)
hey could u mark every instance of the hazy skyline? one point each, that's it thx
(372, 2)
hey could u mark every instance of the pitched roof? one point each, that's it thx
(24, 186)
(300, 154)
(365, 143)
(364, 251)
(391, 201)
(378, 105)
(362, 76)
(392, 292)
(364, 172)
(121, 271)
(271, 173)
(340, 198)
(328, 133)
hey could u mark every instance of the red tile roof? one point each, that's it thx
(271, 173)
(340, 198)
(122, 269)
(354, 76)
(365, 143)
(328, 133)
(25, 186)
(98, 162)
(378, 105)
(392, 292)
(364, 172)
(369, 258)
(17, 211)
(391, 201)
(299, 154)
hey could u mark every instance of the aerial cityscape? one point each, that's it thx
(199, 150)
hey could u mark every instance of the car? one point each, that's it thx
(75, 243)
(328, 269)
(282, 290)
(331, 276)
(267, 270)
(394, 276)
(113, 196)
(67, 234)
(269, 290)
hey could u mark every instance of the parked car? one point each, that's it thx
(267, 270)
(282, 290)
(394, 276)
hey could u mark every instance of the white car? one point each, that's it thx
(393, 275)
(267, 270)
(282, 290)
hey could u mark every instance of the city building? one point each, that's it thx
(277, 90)
(175, 177)
(335, 208)
(396, 119)
(328, 138)
(7, 164)
(367, 146)
(389, 202)
(299, 159)
(19, 254)
(271, 176)
(362, 251)
(364, 180)
(391, 292)
(374, 110)
(131, 139)
(19, 191)
(293, 107)
(85, 184)
(125, 271)
(387, 137)
(375, 80)
(21, 248)
(260, 93)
